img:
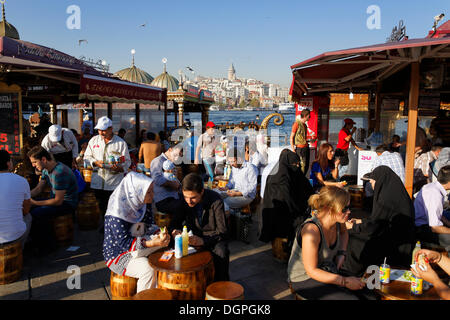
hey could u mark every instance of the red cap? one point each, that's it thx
(210, 124)
(349, 121)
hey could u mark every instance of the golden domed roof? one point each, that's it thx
(134, 74)
(7, 29)
(165, 80)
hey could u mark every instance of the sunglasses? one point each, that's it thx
(345, 209)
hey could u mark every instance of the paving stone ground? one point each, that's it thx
(47, 278)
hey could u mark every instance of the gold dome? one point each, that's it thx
(134, 74)
(7, 29)
(165, 80)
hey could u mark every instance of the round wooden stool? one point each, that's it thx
(63, 228)
(280, 250)
(357, 196)
(162, 219)
(88, 212)
(153, 294)
(122, 287)
(11, 262)
(224, 290)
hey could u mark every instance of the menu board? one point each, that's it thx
(10, 123)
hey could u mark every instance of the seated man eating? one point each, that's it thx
(204, 215)
(241, 187)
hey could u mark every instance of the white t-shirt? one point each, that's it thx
(14, 189)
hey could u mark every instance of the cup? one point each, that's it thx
(385, 273)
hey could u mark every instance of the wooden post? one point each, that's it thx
(110, 112)
(165, 116)
(80, 115)
(378, 107)
(412, 126)
(64, 119)
(138, 122)
(93, 114)
(175, 112)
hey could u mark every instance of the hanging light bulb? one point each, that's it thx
(351, 95)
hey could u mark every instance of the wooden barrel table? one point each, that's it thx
(187, 278)
(224, 290)
(88, 212)
(162, 219)
(153, 294)
(63, 228)
(11, 262)
(357, 196)
(280, 250)
(122, 287)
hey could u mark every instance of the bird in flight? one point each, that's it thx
(189, 68)
(143, 25)
(80, 41)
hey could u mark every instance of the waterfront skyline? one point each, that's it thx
(261, 38)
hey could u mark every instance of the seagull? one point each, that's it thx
(80, 41)
(190, 69)
(143, 25)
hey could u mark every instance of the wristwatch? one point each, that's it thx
(342, 253)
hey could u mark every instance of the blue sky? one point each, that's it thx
(262, 38)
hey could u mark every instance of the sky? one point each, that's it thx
(261, 38)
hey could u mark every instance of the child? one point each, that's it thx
(169, 169)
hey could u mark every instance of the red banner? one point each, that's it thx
(108, 88)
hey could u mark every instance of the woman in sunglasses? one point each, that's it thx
(319, 250)
(388, 232)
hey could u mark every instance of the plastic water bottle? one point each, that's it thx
(178, 247)
(417, 248)
(185, 237)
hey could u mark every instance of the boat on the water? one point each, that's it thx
(286, 107)
(214, 108)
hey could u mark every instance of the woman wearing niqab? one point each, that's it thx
(389, 231)
(285, 199)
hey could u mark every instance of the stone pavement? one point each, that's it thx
(252, 265)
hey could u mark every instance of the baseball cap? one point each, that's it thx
(103, 123)
(210, 124)
(349, 121)
(54, 133)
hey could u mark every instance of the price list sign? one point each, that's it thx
(10, 123)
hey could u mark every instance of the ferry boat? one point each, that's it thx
(286, 107)
(248, 108)
(214, 108)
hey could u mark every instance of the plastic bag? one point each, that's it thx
(80, 181)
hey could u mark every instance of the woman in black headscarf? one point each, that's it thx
(388, 232)
(285, 199)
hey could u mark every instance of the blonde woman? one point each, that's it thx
(319, 250)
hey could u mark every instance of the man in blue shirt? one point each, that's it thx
(63, 195)
(431, 223)
(241, 187)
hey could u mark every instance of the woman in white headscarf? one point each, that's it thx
(128, 239)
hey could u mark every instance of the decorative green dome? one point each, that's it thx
(7, 29)
(165, 80)
(134, 74)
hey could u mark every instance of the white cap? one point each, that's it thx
(103, 123)
(54, 133)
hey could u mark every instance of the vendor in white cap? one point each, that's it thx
(108, 154)
(62, 143)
